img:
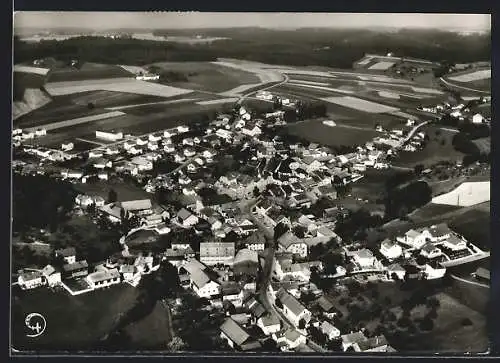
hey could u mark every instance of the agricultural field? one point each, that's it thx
(331, 136)
(449, 334)
(88, 71)
(80, 120)
(474, 225)
(381, 66)
(59, 109)
(73, 322)
(106, 99)
(153, 331)
(483, 144)
(122, 84)
(472, 76)
(360, 104)
(207, 76)
(22, 81)
(467, 194)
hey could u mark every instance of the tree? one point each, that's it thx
(279, 304)
(112, 196)
(302, 324)
(466, 322)
(256, 192)
(280, 230)
(90, 105)
(176, 345)
(427, 324)
(418, 169)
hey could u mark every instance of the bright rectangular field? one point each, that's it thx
(382, 66)
(474, 76)
(359, 104)
(28, 69)
(127, 85)
(466, 194)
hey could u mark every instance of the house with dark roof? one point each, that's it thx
(246, 262)
(292, 308)
(326, 306)
(68, 254)
(77, 269)
(237, 337)
(429, 250)
(186, 218)
(255, 307)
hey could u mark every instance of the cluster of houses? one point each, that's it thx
(460, 111)
(77, 277)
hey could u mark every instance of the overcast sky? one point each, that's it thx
(109, 20)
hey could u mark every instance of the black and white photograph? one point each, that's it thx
(280, 183)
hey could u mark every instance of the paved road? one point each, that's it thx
(462, 87)
(469, 281)
(245, 96)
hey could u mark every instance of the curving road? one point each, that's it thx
(462, 87)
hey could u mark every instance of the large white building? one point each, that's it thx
(213, 253)
(104, 278)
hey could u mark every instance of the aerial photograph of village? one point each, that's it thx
(238, 183)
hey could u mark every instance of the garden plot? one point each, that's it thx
(359, 104)
(35, 70)
(381, 66)
(471, 77)
(80, 120)
(467, 194)
(126, 85)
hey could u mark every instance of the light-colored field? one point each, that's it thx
(359, 104)
(431, 91)
(265, 75)
(483, 144)
(381, 66)
(127, 85)
(29, 69)
(329, 89)
(309, 82)
(388, 94)
(365, 60)
(467, 194)
(240, 89)
(80, 120)
(474, 76)
(219, 101)
(309, 73)
(133, 69)
(386, 79)
(403, 115)
(182, 100)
